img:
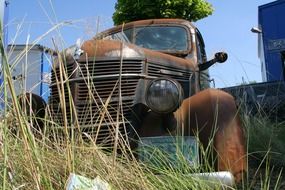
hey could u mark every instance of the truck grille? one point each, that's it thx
(67, 71)
(95, 86)
(168, 71)
(109, 67)
(182, 75)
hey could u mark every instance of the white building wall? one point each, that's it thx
(26, 70)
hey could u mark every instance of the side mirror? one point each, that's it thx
(220, 57)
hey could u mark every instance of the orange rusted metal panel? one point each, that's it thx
(213, 114)
(112, 48)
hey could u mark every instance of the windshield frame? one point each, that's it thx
(111, 34)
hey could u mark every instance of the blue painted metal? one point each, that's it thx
(4, 20)
(45, 75)
(5, 23)
(272, 42)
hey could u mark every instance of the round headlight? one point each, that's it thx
(163, 95)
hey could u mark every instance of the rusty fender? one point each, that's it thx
(212, 113)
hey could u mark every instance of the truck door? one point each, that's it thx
(202, 58)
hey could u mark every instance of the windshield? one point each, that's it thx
(162, 38)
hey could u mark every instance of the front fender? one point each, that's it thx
(212, 115)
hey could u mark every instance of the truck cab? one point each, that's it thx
(147, 80)
(175, 37)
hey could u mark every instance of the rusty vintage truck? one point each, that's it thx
(147, 79)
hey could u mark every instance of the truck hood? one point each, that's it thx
(112, 49)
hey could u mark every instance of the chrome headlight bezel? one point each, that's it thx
(163, 95)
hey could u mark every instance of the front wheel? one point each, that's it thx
(34, 107)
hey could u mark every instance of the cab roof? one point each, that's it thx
(148, 22)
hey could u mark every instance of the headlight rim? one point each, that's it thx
(180, 95)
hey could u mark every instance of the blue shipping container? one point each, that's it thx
(272, 40)
(4, 25)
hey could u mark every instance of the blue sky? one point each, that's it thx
(228, 29)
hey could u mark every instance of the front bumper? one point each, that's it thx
(214, 179)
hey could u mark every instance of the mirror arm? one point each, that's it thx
(220, 57)
(207, 64)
